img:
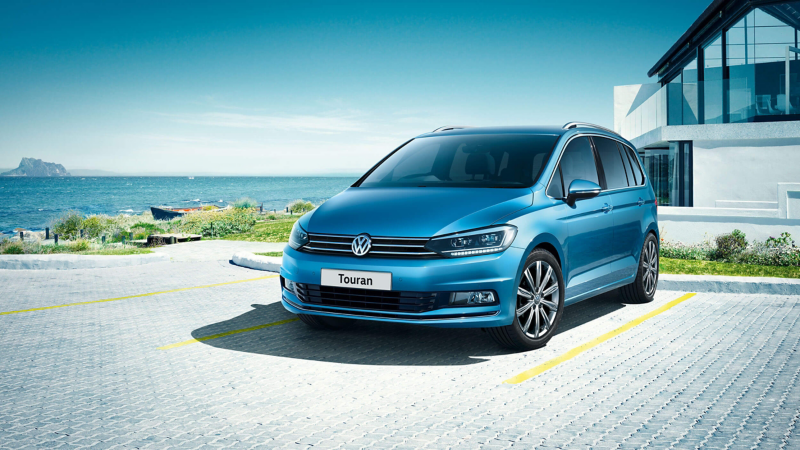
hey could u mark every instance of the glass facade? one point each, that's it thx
(670, 172)
(741, 76)
(690, 85)
(712, 82)
(756, 57)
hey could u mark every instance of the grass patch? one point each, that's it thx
(687, 267)
(278, 254)
(267, 231)
(115, 251)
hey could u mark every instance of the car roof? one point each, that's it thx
(527, 129)
(552, 129)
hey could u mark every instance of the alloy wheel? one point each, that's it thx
(537, 299)
(650, 268)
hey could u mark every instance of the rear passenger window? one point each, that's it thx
(577, 162)
(634, 170)
(613, 164)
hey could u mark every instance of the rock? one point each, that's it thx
(30, 167)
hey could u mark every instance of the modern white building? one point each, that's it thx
(719, 130)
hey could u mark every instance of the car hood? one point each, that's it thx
(415, 211)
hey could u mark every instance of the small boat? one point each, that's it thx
(169, 213)
(191, 178)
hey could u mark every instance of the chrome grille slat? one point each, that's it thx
(382, 246)
(395, 245)
(403, 253)
(328, 249)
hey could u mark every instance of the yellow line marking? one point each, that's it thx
(528, 374)
(135, 296)
(226, 333)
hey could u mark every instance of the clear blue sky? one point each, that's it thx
(291, 87)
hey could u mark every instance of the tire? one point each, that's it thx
(643, 289)
(325, 323)
(524, 333)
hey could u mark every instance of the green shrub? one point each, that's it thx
(68, 226)
(94, 226)
(734, 248)
(80, 245)
(698, 252)
(731, 244)
(245, 203)
(785, 240)
(300, 206)
(218, 224)
(13, 249)
(147, 226)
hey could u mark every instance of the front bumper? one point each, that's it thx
(497, 272)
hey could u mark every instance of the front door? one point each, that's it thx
(589, 223)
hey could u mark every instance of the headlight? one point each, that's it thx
(476, 242)
(298, 236)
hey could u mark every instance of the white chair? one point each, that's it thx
(782, 105)
(764, 105)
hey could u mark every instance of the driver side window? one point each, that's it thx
(577, 163)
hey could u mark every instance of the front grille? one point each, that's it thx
(387, 247)
(410, 302)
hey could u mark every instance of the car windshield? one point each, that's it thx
(471, 160)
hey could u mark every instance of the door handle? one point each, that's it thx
(607, 208)
(640, 202)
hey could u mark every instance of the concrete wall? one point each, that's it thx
(623, 99)
(694, 225)
(749, 170)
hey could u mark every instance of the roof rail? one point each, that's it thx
(571, 125)
(449, 127)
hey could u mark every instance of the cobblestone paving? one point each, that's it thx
(716, 371)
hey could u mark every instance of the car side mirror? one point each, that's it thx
(580, 189)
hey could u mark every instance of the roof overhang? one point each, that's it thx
(715, 16)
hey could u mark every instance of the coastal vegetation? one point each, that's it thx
(274, 229)
(78, 247)
(300, 206)
(217, 224)
(125, 234)
(245, 203)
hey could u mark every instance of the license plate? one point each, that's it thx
(381, 281)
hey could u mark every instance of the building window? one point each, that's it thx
(712, 82)
(690, 109)
(756, 57)
(670, 171)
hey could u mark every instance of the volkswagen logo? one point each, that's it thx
(361, 244)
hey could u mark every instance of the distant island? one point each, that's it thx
(31, 167)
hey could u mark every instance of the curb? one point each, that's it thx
(258, 262)
(71, 262)
(731, 285)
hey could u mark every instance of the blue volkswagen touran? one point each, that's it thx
(497, 228)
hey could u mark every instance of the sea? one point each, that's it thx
(33, 203)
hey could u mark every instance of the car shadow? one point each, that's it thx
(376, 343)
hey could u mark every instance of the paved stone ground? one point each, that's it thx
(716, 371)
(215, 250)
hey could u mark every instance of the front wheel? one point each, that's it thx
(643, 289)
(539, 304)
